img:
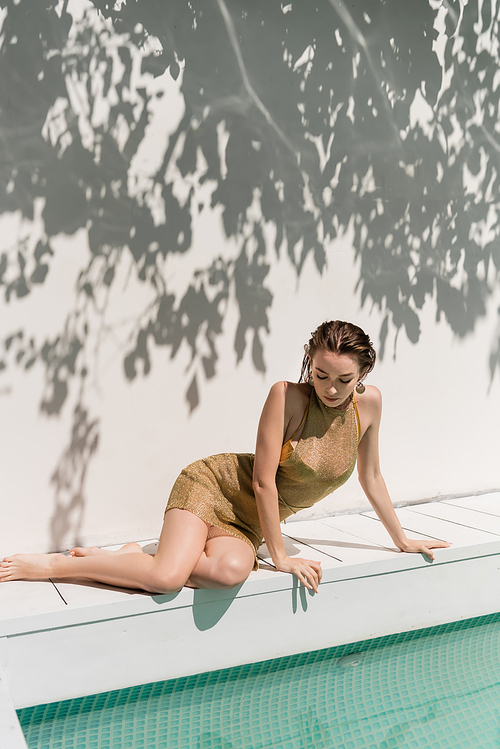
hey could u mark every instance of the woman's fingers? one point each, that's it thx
(309, 572)
(318, 571)
(428, 553)
(305, 581)
(424, 547)
(433, 543)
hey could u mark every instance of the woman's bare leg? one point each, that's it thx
(182, 542)
(92, 551)
(225, 562)
(184, 556)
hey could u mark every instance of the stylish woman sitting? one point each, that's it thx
(221, 508)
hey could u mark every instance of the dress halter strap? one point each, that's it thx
(355, 404)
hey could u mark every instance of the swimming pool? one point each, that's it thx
(437, 687)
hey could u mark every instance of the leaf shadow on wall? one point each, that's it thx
(301, 123)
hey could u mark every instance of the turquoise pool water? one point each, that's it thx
(436, 688)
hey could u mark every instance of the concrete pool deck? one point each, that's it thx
(60, 640)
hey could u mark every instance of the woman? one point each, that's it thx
(220, 509)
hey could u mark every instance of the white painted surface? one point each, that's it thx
(114, 638)
(454, 533)
(364, 527)
(488, 503)
(294, 547)
(329, 540)
(29, 597)
(465, 516)
(11, 735)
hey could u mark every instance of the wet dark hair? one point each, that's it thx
(343, 338)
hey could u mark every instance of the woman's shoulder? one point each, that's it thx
(297, 393)
(294, 390)
(294, 396)
(370, 402)
(371, 395)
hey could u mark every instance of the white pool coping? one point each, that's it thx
(62, 640)
(11, 735)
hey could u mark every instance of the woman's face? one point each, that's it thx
(334, 376)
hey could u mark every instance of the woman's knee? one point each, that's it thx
(168, 581)
(233, 570)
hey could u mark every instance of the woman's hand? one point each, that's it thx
(308, 572)
(423, 547)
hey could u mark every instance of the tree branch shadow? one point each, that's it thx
(313, 121)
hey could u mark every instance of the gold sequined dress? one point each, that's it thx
(219, 490)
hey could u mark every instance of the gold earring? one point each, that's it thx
(360, 388)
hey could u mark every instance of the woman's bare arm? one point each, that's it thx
(372, 481)
(277, 413)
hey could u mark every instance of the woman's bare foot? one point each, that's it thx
(92, 551)
(29, 567)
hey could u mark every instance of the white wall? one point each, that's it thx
(441, 393)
